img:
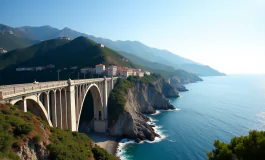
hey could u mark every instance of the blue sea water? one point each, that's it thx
(217, 108)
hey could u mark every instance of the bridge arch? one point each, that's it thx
(34, 105)
(97, 103)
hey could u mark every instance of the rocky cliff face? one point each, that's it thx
(166, 89)
(175, 82)
(34, 151)
(142, 99)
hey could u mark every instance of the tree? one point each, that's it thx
(240, 148)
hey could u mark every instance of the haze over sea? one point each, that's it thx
(217, 108)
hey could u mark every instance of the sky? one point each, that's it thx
(228, 35)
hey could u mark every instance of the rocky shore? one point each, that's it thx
(143, 98)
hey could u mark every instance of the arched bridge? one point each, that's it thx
(60, 103)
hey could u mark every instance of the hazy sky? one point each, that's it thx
(228, 35)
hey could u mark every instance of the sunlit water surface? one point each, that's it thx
(217, 108)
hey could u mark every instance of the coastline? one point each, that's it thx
(125, 141)
(115, 146)
(105, 141)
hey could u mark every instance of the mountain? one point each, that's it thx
(12, 38)
(48, 32)
(201, 70)
(160, 56)
(40, 33)
(80, 52)
(19, 56)
(27, 34)
(166, 71)
(132, 47)
(64, 54)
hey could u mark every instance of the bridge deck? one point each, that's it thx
(7, 91)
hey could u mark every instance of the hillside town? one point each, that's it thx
(100, 69)
(37, 68)
(112, 71)
(2, 51)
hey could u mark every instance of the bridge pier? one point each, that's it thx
(59, 108)
(23, 105)
(64, 109)
(54, 113)
(100, 125)
(47, 103)
(105, 98)
(71, 115)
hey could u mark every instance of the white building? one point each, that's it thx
(74, 67)
(65, 38)
(2, 51)
(100, 68)
(50, 66)
(147, 73)
(140, 74)
(101, 45)
(88, 70)
(30, 68)
(40, 68)
(20, 69)
(112, 71)
(126, 73)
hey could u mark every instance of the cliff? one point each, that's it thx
(33, 151)
(175, 82)
(184, 77)
(140, 98)
(166, 89)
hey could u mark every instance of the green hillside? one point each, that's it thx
(10, 42)
(16, 57)
(63, 54)
(78, 52)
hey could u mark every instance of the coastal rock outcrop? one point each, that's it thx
(33, 151)
(166, 89)
(142, 98)
(175, 82)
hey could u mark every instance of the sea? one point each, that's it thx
(217, 108)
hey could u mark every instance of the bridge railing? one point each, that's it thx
(20, 89)
(87, 80)
(10, 90)
(26, 84)
(91, 80)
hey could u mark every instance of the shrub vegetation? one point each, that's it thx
(37, 138)
(251, 147)
(17, 126)
(102, 154)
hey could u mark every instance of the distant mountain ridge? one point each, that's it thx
(132, 47)
(80, 52)
(12, 38)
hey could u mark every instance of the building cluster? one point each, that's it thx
(38, 68)
(112, 70)
(101, 45)
(65, 38)
(2, 51)
(6, 32)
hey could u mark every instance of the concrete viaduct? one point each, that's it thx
(60, 103)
